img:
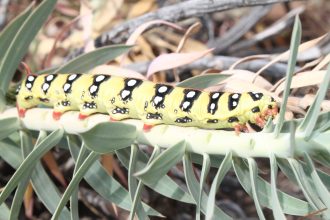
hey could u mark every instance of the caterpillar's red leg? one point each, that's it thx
(112, 119)
(21, 111)
(147, 128)
(57, 115)
(82, 116)
(238, 128)
(260, 122)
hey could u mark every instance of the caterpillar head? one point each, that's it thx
(24, 94)
(262, 110)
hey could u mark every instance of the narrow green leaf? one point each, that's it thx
(193, 187)
(26, 146)
(325, 178)
(4, 211)
(10, 153)
(8, 126)
(223, 169)
(9, 32)
(305, 186)
(20, 43)
(47, 191)
(203, 81)
(253, 177)
(74, 197)
(205, 170)
(162, 164)
(322, 156)
(276, 206)
(30, 161)
(295, 41)
(106, 185)
(308, 124)
(92, 157)
(2, 101)
(108, 137)
(88, 61)
(41, 182)
(321, 189)
(135, 187)
(290, 204)
(165, 186)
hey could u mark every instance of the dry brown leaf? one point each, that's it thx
(145, 48)
(86, 20)
(245, 59)
(160, 43)
(247, 76)
(117, 71)
(191, 30)
(308, 99)
(189, 46)
(303, 79)
(28, 201)
(173, 60)
(104, 13)
(139, 30)
(325, 61)
(141, 7)
(240, 86)
(118, 171)
(284, 56)
(107, 161)
(51, 163)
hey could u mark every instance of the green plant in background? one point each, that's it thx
(292, 146)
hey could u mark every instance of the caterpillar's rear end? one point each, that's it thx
(154, 104)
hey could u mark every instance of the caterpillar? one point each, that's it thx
(153, 103)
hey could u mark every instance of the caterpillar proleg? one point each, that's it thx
(153, 103)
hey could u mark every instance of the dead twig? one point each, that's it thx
(245, 24)
(273, 30)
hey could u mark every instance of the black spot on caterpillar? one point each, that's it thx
(124, 98)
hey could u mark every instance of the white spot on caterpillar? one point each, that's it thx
(45, 86)
(93, 89)
(212, 106)
(125, 93)
(72, 77)
(99, 78)
(234, 103)
(131, 82)
(157, 99)
(191, 94)
(162, 89)
(215, 95)
(256, 95)
(235, 96)
(28, 85)
(66, 87)
(30, 78)
(185, 104)
(49, 78)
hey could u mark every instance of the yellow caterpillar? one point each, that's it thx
(154, 104)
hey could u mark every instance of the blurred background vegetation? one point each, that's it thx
(77, 27)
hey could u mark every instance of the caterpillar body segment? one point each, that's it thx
(124, 98)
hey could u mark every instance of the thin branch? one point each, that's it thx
(198, 140)
(273, 30)
(245, 24)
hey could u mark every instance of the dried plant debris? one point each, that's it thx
(244, 48)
